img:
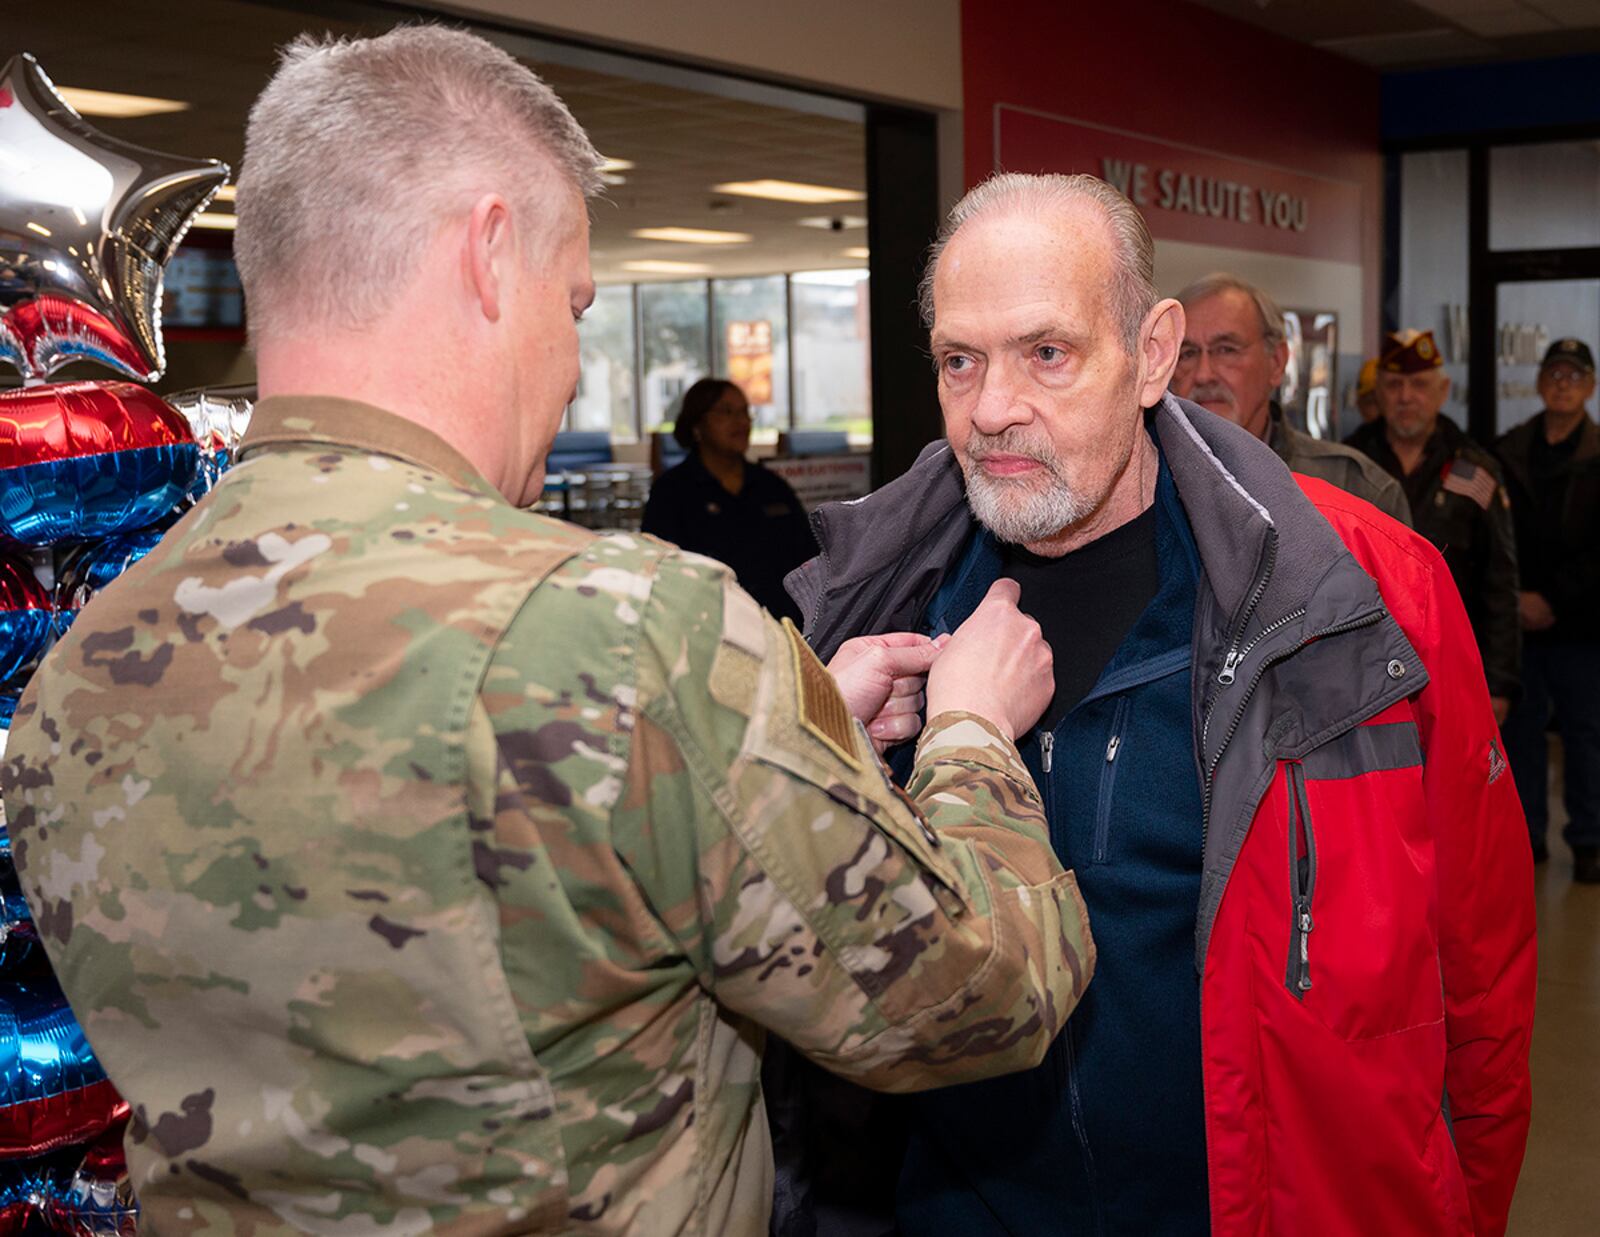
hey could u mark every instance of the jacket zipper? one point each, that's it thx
(1047, 747)
(1235, 656)
(1302, 884)
(1076, 1108)
(1108, 781)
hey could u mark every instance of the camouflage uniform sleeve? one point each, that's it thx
(905, 941)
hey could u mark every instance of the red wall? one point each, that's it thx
(1180, 73)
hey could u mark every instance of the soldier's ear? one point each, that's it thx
(490, 253)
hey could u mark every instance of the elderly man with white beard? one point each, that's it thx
(1270, 758)
(1231, 362)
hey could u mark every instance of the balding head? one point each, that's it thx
(1130, 250)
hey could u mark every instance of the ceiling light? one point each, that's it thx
(651, 266)
(831, 279)
(833, 223)
(227, 193)
(857, 251)
(692, 236)
(217, 220)
(126, 106)
(611, 178)
(789, 191)
(616, 165)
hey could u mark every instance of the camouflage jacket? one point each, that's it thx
(419, 864)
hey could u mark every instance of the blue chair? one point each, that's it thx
(814, 442)
(578, 449)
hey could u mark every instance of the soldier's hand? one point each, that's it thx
(882, 679)
(997, 665)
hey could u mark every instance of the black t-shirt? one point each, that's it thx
(761, 532)
(1085, 602)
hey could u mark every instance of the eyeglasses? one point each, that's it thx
(1563, 376)
(1224, 355)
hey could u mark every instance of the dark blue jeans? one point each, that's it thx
(1563, 679)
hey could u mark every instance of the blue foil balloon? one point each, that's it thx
(52, 1090)
(87, 569)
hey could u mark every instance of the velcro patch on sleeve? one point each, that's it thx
(822, 709)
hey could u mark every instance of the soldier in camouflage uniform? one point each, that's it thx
(419, 864)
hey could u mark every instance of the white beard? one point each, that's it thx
(1023, 512)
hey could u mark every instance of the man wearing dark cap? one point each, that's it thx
(1552, 464)
(1457, 499)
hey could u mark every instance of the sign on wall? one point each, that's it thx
(1193, 195)
(750, 359)
(819, 479)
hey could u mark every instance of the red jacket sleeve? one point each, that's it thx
(1486, 911)
(1481, 855)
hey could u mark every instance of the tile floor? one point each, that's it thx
(1559, 1192)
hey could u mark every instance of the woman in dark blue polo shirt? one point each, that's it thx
(719, 504)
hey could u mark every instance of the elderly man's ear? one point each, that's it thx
(1159, 340)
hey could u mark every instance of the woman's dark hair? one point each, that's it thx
(698, 400)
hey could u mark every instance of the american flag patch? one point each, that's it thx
(1476, 483)
(1497, 762)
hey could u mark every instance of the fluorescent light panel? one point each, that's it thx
(216, 220)
(88, 102)
(789, 191)
(826, 222)
(654, 266)
(616, 165)
(227, 193)
(692, 236)
(857, 251)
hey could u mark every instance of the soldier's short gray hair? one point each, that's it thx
(1272, 328)
(1133, 288)
(358, 148)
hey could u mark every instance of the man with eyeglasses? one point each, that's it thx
(1457, 499)
(1231, 362)
(1552, 464)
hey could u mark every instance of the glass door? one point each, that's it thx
(1530, 315)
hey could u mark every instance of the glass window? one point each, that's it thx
(1433, 259)
(605, 385)
(672, 324)
(1529, 317)
(1544, 196)
(751, 345)
(832, 386)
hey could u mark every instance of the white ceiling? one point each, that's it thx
(1395, 34)
(217, 54)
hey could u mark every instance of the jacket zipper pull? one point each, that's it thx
(1302, 910)
(1111, 748)
(1047, 743)
(1231, 664)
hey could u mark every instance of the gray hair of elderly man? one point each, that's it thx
(1133, 289)
(358, 149)
(1272, 328)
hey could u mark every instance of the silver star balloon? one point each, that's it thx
(87, 224)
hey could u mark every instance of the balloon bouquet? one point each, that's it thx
(90, 475)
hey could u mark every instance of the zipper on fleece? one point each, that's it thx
(1302, 880)
(1108, 780)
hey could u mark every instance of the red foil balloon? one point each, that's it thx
(25, 616)
(89, 459)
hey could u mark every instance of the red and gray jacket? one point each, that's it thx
(1365, 932)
